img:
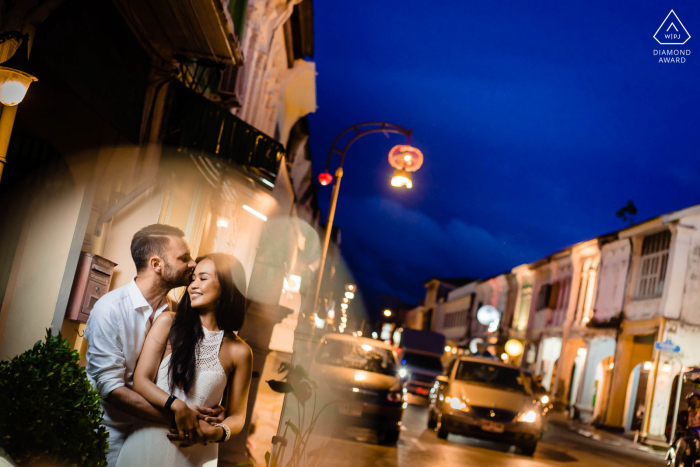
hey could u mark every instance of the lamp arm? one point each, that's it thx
(376, 127)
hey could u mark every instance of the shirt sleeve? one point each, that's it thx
(105, 352)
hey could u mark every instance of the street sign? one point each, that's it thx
(667, 346)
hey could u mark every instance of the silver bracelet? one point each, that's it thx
(227, 433)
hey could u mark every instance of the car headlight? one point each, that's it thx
(403, 373)
(528, 417)
(545, 399)
(456, 403)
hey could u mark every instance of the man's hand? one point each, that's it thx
(187, 422)
(214, 415)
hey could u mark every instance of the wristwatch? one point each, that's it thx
(169, 402)
(227, 433)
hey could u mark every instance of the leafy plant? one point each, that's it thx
(49, 409)
(298, 383)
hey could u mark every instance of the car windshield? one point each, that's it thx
(425, 362)
(496, 376)
(357, 356)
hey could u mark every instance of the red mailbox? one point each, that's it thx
(92, 280)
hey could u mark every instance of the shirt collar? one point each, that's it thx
(139, 301)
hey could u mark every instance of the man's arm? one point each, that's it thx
(106, 366)
(134, 404)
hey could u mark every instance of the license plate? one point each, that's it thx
(422, 391)
(354, 410)
(493, 427)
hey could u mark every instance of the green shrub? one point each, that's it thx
(49, 410)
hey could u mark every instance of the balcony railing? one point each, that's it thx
(200, 127)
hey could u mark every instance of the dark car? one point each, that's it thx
(420, 371)
(363, 377)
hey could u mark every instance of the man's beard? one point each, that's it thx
(172, 280)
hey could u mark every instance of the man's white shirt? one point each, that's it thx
(116, 331)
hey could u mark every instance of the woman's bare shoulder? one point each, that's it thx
(165, 319)
(237, 348)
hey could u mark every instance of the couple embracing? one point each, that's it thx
(162, 375)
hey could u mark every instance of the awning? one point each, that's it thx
(196, 28)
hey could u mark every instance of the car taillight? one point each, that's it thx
(394, 397)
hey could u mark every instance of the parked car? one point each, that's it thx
(363, 376)
(486, 399)
(420, 354)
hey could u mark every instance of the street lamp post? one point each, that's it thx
(404, 159)
(14, 82)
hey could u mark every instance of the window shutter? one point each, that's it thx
(553, 295)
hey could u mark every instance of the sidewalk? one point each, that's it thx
(589, 431)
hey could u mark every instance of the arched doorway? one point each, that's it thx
(602, 382)
(683, 405)
(635, 401)
(576, 371)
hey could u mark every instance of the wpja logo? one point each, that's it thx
(672, 32)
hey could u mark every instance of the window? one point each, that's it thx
(448, 371)
(543, 297)
(554, 295)
(524, 310)
(652, 267)
(420, 361)
(455, 319)
(358, 357)
(492, 376)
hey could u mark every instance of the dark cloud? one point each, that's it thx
(394, 249)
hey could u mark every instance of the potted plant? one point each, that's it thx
(50, 413)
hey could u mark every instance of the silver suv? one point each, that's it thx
(486, 399)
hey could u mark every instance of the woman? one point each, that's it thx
(188, 359)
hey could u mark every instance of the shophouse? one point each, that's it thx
(581, 335)
(548, 312)
(498, 292)
(660, 303)
(523, 278)
(455, 316)
(426, 316)
(603, 265)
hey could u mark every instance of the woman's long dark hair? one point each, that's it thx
(186, 331)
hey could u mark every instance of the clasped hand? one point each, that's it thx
(194, 424)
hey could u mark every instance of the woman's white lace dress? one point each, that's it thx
(148, 445)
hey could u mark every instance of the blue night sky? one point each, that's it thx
(538, 121)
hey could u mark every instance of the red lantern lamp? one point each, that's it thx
(405, 157)
(325, 178)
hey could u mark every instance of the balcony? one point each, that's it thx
(198, 126)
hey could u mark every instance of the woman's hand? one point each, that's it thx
(211, 434)
(212, 415)
(187, 422)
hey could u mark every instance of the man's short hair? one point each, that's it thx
(152, 240)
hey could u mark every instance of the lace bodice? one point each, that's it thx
(210, 377)
(148, 446)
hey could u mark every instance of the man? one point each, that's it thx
(119, 322)
(693, 423)
(482, 351)
(688, 426)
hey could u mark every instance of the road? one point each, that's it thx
(420, 447)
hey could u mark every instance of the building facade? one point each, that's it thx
(145, 114)
(659, 299)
